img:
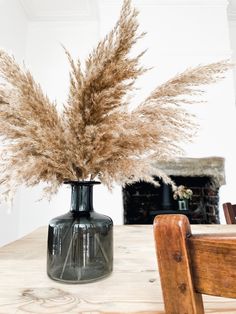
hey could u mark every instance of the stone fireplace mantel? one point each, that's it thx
(204, 176)
(212, 167)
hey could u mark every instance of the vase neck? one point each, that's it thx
(81, 197)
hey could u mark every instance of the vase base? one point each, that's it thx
(80, 281)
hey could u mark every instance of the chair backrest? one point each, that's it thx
(230, 213)
(192, 265)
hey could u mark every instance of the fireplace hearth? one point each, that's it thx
(143, 201)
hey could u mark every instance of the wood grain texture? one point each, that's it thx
(230, 213)
(213, 260)
(134, 285)
(190, 265)
(171, 232)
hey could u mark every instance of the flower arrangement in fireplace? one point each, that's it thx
(97, 136)
(182, 192)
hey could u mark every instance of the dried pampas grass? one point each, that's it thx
(96, 136)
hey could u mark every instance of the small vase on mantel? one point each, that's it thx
(80, 243)
(183, 204)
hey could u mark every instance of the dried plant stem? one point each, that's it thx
(96, 136)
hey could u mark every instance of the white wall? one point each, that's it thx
(232, 31)
(13, 30)
(179, 34)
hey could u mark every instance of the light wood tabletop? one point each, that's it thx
(134, 285)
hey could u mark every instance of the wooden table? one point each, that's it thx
(133, 286)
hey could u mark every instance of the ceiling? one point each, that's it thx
(69, 10)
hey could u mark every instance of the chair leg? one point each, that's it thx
(171, 234)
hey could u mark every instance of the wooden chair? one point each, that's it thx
(230, 213)
(192, 265)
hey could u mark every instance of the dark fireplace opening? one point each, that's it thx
(143, 201)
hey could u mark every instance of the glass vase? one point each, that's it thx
(80, 243)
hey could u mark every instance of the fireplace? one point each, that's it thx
(143, 201)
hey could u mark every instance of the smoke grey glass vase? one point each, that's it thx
(80, 243)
